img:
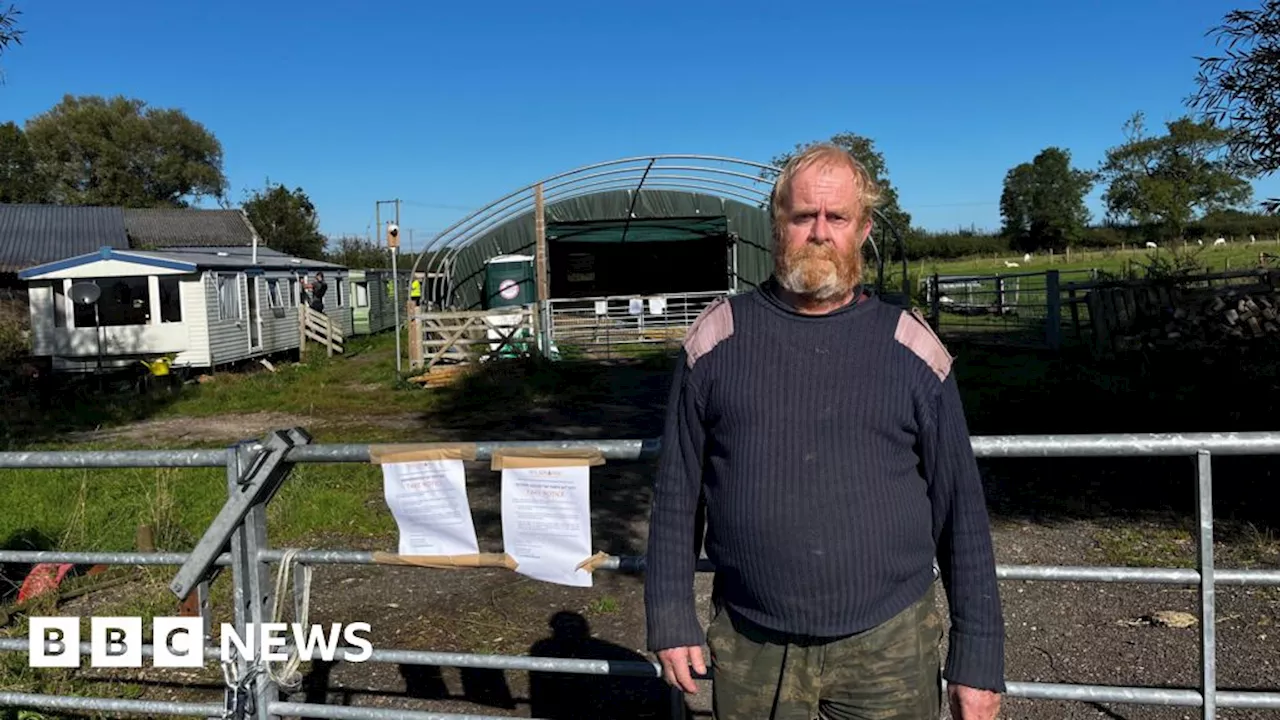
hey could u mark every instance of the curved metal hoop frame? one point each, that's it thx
(736, 179)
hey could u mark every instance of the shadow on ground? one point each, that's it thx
(1012, 392)
(550, 695)
(1006, 391)
(12, 574)
(537, 400)
(560, 696)
(533, 399)
(47, 408)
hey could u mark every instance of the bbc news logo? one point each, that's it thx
(178, 642)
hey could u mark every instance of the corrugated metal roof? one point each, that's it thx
(186, 227)
(37, 234)
(238, 257)
(188, 259)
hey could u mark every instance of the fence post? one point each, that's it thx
(240, 570)
(1053, 318)
(1208, 616)
(263, 591)
(1075, 310)
(416, 351)
(252, 588)
(934, 302)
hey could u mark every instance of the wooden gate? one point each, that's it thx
(318, 327)
(439, 340)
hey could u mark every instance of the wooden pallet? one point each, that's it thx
(441, 375)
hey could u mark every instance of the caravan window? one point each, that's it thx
(362, 294)
(123, 301)
(170, 300)
(228, 297)
(274, 298)
(59, 303)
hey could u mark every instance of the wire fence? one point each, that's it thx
(237, 539)
(1015, 308)
(1088, 308)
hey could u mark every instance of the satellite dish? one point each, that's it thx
(84, 293)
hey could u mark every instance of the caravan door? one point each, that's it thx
(255, 312)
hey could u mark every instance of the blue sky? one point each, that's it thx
(449, 106)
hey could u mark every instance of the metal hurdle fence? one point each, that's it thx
(237, 538)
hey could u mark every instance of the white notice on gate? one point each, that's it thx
(429, 501)
(546, 522)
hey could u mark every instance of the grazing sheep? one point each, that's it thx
(1151, 244)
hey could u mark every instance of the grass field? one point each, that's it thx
(1119, 261)
(1024, 286)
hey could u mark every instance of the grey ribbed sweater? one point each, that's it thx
(836, 465)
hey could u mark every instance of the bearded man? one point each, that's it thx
(824, 432)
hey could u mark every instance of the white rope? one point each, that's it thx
(288, 677)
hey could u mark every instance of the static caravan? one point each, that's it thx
(337, 299)
(203, 307)
(372, 300)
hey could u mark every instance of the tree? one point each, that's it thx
(1043, 201)
(1163, 180)
(355, 251)
(287, 221)
(9, 32)
(119, 151)
(1239, 89)
(20, 178)
(864, 150)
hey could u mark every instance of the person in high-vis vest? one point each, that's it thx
(415, 291)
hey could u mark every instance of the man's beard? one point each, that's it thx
(818, 272)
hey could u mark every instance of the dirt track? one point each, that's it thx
(1045, 514)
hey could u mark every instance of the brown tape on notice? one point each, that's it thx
(381, 454)
(550, 457)
(592, 563)
(477, 560)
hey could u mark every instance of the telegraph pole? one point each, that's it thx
(393, 244)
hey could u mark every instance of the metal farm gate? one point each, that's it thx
(237, 538)
(624, 324)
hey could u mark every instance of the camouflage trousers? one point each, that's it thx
(892, 671)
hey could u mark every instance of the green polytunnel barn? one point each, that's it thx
(636, 227)
(677, 242)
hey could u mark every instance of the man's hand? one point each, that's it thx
(972, 703)
(675, 666)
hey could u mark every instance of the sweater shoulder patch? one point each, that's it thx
(713, 326)
(914, 332)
